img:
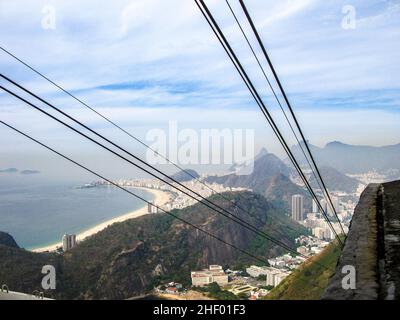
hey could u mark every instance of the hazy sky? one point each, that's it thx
(145, 62)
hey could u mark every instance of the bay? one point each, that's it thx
(37, 214)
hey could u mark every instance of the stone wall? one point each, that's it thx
(389, 263)
(372, 247)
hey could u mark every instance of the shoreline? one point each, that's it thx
(160, 198)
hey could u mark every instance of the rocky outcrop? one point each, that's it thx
(7, 240)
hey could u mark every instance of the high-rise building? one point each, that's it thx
(256, 271)
(69, 241)
(151, 208)
(315, 208)
(323, 204)
(297, 207)
(336, 203)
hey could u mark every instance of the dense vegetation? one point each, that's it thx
(310, 280)
(214, 291)
(131, 257)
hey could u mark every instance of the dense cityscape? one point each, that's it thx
(255, 281)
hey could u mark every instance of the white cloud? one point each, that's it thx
(168, 43)
(284, 10)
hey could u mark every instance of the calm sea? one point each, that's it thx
(38, 214)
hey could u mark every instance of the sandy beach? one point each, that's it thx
(160, 198)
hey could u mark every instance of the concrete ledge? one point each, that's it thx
(360, 251)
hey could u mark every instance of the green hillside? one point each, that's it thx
(129, 258)
(310, 280)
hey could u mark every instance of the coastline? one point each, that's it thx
(160, 198)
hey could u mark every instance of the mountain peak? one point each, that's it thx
(335, 144)
(301, 144)
(262, 151)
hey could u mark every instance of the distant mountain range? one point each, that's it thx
(14, 170)
(129, 258)
(30, 171)
(354, 159)
(270, 177)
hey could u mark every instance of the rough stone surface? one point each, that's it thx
(359, 251)
(390, 280)
(372, 247)
(7, 240)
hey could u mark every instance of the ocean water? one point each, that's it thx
(38, 213)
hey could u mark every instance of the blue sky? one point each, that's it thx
(145, 62)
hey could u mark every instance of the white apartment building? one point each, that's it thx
(214, 273)
(302, 250)
(256, 271)
(275, 276)
(151, 208)
(318, 232)
(68, 241)
(324, 205)
(325, 233)
(297, 207)
(275, 262)
(315, 207)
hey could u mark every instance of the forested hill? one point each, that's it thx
(128, 258)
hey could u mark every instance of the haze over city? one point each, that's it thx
(200, 150)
